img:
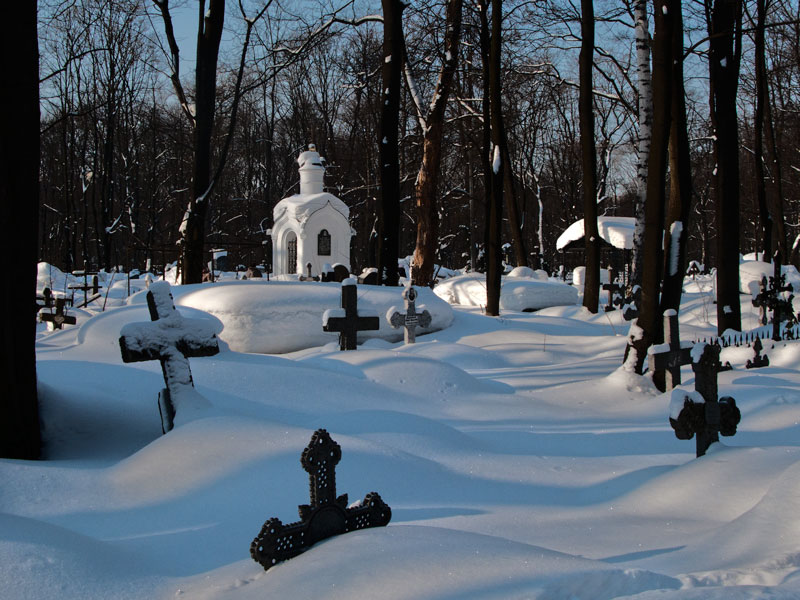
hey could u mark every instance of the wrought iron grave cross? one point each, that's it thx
(326, 514)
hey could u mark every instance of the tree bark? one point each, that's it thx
(19, 201)
(427, 181)
(495, 167)
(209, 34)
(591, 237)
(725, 31)
(680, 180)
(388, 209)
(764, 242)
(649, 321)
(645, 93)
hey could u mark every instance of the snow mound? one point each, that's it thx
(401, 561)
(751, 272)
(517, 293)
(280, 317)
(617, 231)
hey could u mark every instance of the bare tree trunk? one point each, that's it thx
(645, 93)
(649, 321)
(591, 288)
(388, 209)
(19, 202)
(193, 237)
(764, 242)
(495, 167)
(725, 31)
(515, 221)
(428, 176)
(680, 180)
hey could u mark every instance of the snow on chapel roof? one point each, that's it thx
(617, 231)
(300, 207)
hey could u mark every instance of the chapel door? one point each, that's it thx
(291, 254)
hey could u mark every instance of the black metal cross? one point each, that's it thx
(759, 360)
(762, 300)
(326, 514)
(351, 322)
(411, 319)
(630, 310)
(58, 318)
(46, 298)
(670, 360)
(170, 339)
(781, 307)
(711, 417)
(615, 297)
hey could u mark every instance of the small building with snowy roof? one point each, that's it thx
(616, 243)
(312, 227)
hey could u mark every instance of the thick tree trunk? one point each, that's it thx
(19, 201)
(425, 188)
(764, 241)
(725, 30)
(388, 209)
(591, 287)
(645, 93)
(193, 236)
(680, 180)
(649, 321)
(495, 168)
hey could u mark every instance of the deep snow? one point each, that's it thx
(518, 459)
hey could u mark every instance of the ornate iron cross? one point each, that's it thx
(170, 339)
(759, 360)
(351, 323)
(326, 514)
(411, 319)
(712, 417)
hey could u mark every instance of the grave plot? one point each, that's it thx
(347, 320)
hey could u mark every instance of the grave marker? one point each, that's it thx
(700, 413)
(94, 286)
(758, 360)
(172, 340)
(411, 319)
(326, 514)
(58, 318)
(46, 298)
(669, 357)
(347, 320)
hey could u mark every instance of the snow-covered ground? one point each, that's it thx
(518, 459)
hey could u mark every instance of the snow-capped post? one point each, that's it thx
(667, 358)
(324, 516)
(411, 319)
(172, 340)
(700, 413)
(58, 318)
(348, 320)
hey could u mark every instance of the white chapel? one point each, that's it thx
(312, 227)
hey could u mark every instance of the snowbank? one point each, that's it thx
(751, 272)
(516, 293)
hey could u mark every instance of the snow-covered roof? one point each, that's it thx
(617, 231)
(301, 206)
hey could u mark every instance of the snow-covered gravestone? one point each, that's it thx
(172, 340)
(670, 356)
(411, 319)
(700, 413)
(348, 320)
(325, 515)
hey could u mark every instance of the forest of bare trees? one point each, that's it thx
(122, 113)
